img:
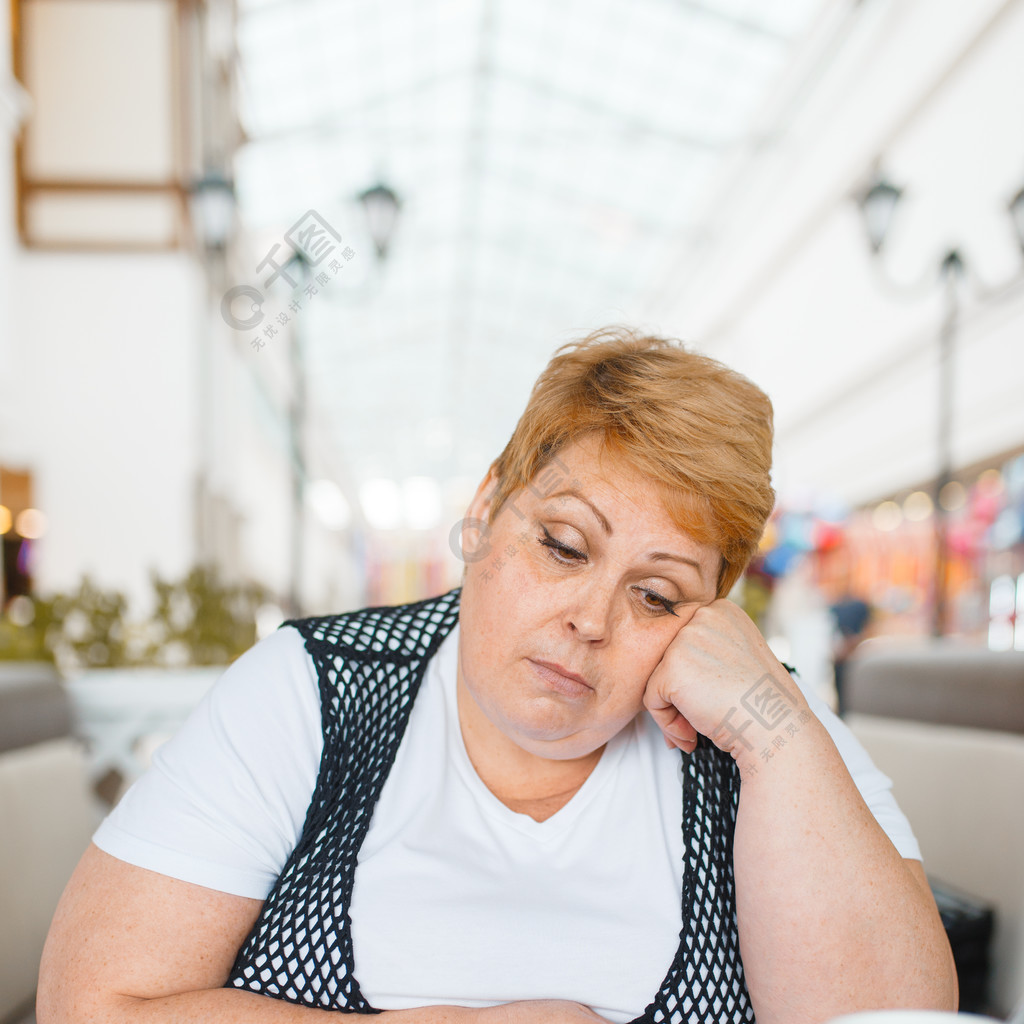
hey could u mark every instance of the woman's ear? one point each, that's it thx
(475, 528)
(480, 506)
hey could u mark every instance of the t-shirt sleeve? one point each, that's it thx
(875, 787)
(225, 799)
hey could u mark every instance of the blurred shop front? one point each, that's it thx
(887, 554)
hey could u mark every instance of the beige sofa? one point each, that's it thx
(945, 722)
(46, 818)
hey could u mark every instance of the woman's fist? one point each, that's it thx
(719, 678)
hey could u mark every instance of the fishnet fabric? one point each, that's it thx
(370, 665)
(705, 982)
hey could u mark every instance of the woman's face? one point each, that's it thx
(576, 575)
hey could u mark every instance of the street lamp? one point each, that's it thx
(212, 203)
(297, 443)
(1016, 207)
(213, 210)
(381, 206)
(877, 204)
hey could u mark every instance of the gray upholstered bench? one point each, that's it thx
(945, 721)
(46, 818)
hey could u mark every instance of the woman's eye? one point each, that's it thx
(655, 602)
(558, 551)
(650, 600)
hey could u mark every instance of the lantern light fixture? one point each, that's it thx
(382, 207)
(877, 205)
(213, 209)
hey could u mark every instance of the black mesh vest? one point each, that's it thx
(370, 665)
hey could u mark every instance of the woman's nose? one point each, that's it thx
(589, 615)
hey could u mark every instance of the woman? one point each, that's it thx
(476, 805)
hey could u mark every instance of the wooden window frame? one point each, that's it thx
(27, 186)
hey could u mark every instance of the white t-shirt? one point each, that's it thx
(456, 899)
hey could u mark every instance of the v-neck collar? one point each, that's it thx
(564, 818)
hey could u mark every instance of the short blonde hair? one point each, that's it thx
(700, 430)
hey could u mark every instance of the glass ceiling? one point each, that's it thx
(553, 160)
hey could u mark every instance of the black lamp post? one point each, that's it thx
(297, 444)
(382, 207)
(212, 209)
(877, 205)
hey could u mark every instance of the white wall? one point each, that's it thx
(105, 412)
(9, 104)
(97, 399)
(101, 364)
(786, 290)
(107, 417)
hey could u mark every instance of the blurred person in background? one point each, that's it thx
(798, 614)
(579, 787)
(852, 618)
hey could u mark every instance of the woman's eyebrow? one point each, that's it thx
(571, 492)
(662, 556)
(654, 556)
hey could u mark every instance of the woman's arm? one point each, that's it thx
(131, 946)
(831, 918)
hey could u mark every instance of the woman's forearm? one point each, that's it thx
(132, 946)
(831, 918)
(234, 1006)
(231, 1006)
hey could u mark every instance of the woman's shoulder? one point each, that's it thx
(224, 800)
(411, 630)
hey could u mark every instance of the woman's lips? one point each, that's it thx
(560, 679)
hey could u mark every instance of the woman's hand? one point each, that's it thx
(523, 1011)
(545, 1011)
(719, 678)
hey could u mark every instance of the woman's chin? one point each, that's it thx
(558, 737)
